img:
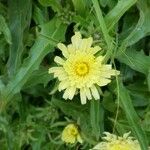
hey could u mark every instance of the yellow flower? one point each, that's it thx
(81, 70)
(113, 142)
(71, 134)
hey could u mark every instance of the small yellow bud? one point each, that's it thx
(71, 134)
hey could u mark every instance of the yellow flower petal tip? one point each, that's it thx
(81, 70)
(114, 142)
(71, 135)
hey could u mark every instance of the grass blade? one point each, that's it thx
(132, 117)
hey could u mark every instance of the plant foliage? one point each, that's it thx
(32, 111)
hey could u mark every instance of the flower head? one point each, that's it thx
(81, 70)
(71, 134)
(113, 142)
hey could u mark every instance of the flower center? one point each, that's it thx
(81, 69)
(119, 147)
(73, 132)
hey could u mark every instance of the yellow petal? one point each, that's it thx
(64, 50)
(82, 96)
(71, 49)
(76, 39)
(54, 69)
(68, 138)
(94, 50)
(89, 42)
(88, 93)
(85, 44)
(95, 92)
(106, 67)
(61, 76)
(79, 138)
(63, 85)
(59, 60)
(100, 59)
(103, 81)
(72, 91)
(69, 93)
(66, 94)
(114, 72)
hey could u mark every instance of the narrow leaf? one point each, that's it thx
(96, 117)
(132, 117)
(4, 29)
(19, 13)
(117, 12)
(43, 45)
(136, 60)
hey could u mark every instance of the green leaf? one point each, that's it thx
(3, 9)
(44, 44)
(96, 118)
(78, 113)
(148, 80)
(133, 119)
(136, 60)
(20, 16)
(42, 76)
(5, 30)
(146, 120)
(139, 94)
(74, 110)
(3, 124)
(40, 16)
(141, 29)
(56, 5)
(103, 3)
(104, 30)
(80, 6)
(117, 12)
(108, 101)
